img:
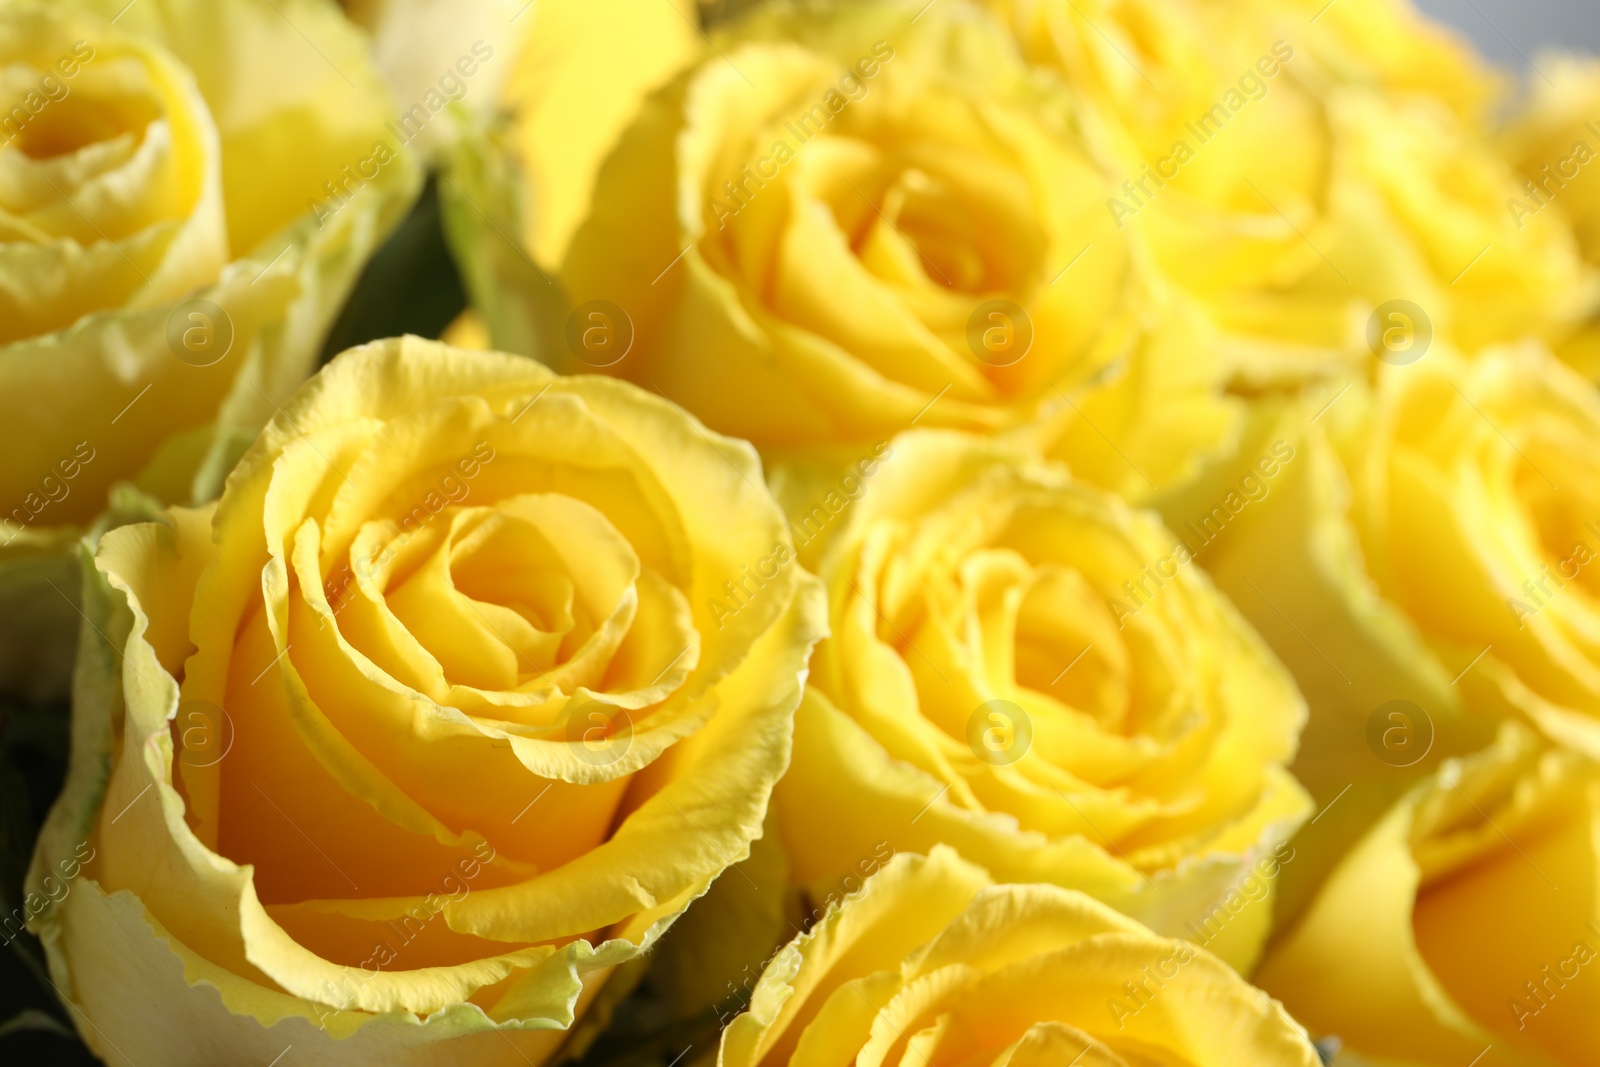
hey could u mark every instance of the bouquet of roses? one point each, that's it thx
(904, 533)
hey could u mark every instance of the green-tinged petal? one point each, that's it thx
(166, 385)
(293, 92)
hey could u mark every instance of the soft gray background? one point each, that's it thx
(1509, 30)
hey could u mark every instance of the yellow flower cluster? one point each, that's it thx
(1015, 532)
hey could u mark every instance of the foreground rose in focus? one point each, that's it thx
(188, 190)
(843, 218)
(1465, 923)
(932, 963)
(396, 750)
(1025, 668)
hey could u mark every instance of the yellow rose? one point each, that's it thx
(932, 963)
(1555, 143)
(1478, 509)
(839, 220)
(1298, 169)
(1025, 668)
(1425, 570)
(187, 192)
(1463, 926)
(394, 752)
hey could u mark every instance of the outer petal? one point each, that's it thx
(1293, 566)
(585, 70)
(1410, 902)
(845, 799)
(207, 1008)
